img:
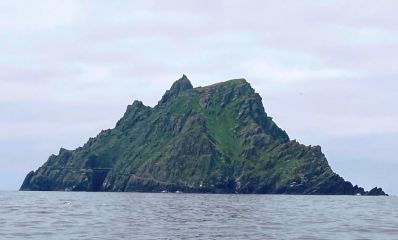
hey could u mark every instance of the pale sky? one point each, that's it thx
(326, 70)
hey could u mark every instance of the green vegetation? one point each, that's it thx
(216, 138)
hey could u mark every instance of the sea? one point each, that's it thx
(99, 215)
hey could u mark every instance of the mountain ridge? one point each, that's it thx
(216, 138)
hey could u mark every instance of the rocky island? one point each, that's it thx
(213, 139)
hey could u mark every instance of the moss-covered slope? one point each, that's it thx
(207, 139)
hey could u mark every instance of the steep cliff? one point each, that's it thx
(207, 139)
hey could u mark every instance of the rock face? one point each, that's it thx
(214, 139)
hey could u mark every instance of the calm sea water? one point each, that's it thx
(72, 215)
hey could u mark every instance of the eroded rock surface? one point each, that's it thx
(214, 139)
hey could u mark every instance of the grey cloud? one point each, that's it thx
(325, 69)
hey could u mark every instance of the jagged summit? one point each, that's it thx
(178, 86)
(216, 138)
(181, 84)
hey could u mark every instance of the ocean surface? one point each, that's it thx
(81, 215)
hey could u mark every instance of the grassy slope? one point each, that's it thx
(190, 143)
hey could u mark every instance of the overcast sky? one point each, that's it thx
(327, 72)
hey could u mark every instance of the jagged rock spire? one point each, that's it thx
(181, 85)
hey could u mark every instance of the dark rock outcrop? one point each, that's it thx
(215, 139)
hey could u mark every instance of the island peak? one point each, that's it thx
(214, 139)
